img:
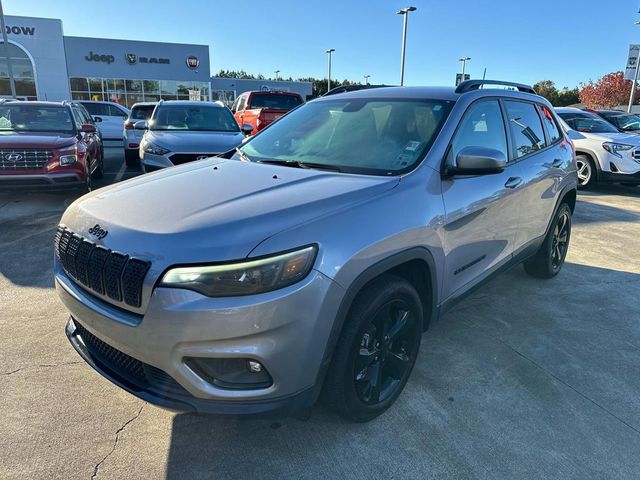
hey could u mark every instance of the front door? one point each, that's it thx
(481, 211)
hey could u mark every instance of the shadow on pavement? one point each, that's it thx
(525, 379)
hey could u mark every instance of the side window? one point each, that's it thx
(77, 116)
(481, 126)
(552, 127)
(116, 112)
(96, 109)
(241, 102)
(526, 128)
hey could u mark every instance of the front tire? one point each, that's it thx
(586, 172)
(377, 349)
(548, 261)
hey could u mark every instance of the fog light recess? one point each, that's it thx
(231, 373)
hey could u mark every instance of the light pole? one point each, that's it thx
(12, 81)
(405, 13)
(277, 72)
(329, 52)
(635, 79)
(366, 79)
(464, 61)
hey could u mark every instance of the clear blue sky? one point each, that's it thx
(567, 41)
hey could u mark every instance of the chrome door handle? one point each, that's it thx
(513, 182)
(557, 163)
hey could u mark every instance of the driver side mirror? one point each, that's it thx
(247, 129)
(478, 161)
(141, 125)
(97, 119)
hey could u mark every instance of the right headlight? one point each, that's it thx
(244, 278)
(154, 149)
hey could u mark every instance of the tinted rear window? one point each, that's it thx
(96, 109)
(274, 101)
(142, 112)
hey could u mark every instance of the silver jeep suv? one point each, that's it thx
(313, 257)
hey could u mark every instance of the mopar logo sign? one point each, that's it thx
(132, 58)
(13, 157)
(96, 57)
(20, 30)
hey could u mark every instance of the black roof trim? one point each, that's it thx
(470, 85)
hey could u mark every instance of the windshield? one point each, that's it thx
(200, 118)
(142, 112)
(274, 101)
(22, 117)
(625, 122)
(584, 122)
(373, 136)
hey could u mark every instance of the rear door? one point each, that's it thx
(540, 158)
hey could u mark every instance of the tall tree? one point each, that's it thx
(548, 90)
(610, 91)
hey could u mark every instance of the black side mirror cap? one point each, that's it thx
(478, 161)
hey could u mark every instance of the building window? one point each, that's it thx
(225, 96)
(128, 92)
(23, 73)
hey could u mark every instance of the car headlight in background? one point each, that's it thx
(244, 278)
(614, 148)
(68, 156)
(154, 149)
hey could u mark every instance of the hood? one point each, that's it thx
(35, 140)
(215, 209)
(195, 142)
(617, 137)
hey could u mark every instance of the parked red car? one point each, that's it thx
(260, 108)
(48, 144)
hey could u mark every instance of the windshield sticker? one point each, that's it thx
(412, 146)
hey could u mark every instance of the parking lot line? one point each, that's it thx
(120, 173)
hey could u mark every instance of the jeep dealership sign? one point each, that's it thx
(15, 30)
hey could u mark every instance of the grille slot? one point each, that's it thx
(180, 158)
(30, 159)
(99, 269)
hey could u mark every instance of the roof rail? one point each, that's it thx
(350, 88)
(469, 85)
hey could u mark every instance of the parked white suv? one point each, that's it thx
(603, 154)
(111, 118)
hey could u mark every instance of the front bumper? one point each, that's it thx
(285, 330)
(42, 180)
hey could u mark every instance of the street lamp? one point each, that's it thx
(329, 52)
(635, 78)
(405, 12)
(277, 72)
(464, 61)
(366, 79)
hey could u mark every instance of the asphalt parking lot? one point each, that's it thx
(525, 379)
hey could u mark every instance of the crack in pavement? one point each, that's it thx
(115, 442)
(42, 365)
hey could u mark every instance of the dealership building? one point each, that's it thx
(47, 65)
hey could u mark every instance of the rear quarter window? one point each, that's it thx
(550, 123)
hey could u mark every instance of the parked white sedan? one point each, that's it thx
(603, 154)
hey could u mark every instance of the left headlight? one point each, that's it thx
(614, 148)
(244, 278)
(154, 149)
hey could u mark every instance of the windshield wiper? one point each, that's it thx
(296, 164)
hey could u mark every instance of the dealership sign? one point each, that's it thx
(131, 59)
(96, 57)
(632, 62)
(193, 62)
(20, 30)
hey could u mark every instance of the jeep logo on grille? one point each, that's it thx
(98, 232)
(13, 157)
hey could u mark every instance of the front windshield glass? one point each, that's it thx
(373, 136)
(200, 118)
(23, 117)
(625, 122)
(584, 122)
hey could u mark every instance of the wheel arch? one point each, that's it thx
(593, 157)
(416, 265)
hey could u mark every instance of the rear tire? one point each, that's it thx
(131, 158)
(586, 172)
(549, 259)
(376, 351)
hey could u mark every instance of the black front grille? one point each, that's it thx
(126, 367)
(180, 158)
(21, 159)
(113, 274)
(636, 154)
